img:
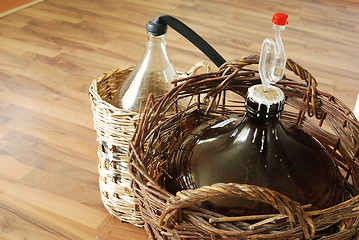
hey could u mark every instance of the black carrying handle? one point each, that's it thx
(158, 27)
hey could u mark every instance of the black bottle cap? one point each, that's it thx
(264, 104)
(156, 27)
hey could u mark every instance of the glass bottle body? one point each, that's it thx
(257, 151)
(153, 74)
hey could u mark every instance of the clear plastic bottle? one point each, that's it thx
(153, 74)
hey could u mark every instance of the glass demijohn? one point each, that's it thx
(257, 149)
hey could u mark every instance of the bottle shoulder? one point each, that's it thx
(259, 149)
(271, 155)
(153, 74)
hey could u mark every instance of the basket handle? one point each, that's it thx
(312, 92)
(311, 96)
(285, 205)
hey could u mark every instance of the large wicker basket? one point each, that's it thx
(222, 93)
(115, 128)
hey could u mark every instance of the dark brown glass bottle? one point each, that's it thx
(257, 150)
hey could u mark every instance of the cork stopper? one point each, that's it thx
(264, 104)
(270, 95)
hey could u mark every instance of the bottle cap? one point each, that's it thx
(264, 104)
(280, 19)
(156, 27)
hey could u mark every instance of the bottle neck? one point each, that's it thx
(262, 120)
(264, 105)
(256, 110)
(155, 40)
(156, 52)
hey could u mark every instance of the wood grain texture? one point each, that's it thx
(50, 52)
(10, 6)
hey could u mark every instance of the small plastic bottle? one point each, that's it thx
(153, 74)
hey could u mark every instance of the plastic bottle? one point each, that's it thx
(153, 73)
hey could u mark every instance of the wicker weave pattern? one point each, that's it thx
(115, 128)
(177, 217)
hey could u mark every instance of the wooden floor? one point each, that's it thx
(49, 54)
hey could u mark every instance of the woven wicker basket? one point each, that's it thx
(115, 128)
(178, 217)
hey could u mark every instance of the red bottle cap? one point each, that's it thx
(280, 19)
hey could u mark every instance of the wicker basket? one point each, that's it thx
(178, 217)
(115, 128)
